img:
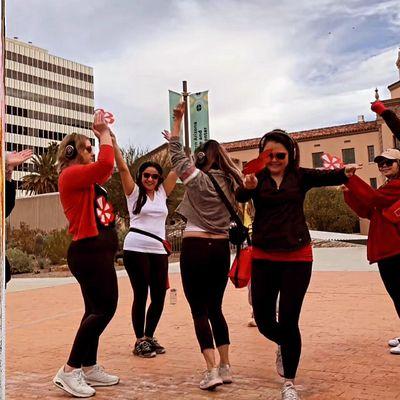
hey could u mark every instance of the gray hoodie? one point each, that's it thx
(201, 204)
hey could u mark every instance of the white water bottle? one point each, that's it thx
(172, 296)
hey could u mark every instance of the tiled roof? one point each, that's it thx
(302, 136)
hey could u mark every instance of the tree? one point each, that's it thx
(326, 210)
(44, 178)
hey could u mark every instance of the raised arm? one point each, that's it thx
(246, 192)
(128, 184)
(389, 116)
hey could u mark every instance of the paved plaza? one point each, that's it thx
(346, 321)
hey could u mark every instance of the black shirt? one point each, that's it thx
(279, 221)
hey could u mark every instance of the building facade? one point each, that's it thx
(47, 97)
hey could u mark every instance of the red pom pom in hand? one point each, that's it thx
(378, 107)
(258, 164)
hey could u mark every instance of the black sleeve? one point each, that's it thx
(393, 122)
(10, 196)
(319, 177)
(243, 195)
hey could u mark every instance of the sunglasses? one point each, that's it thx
(89, 149)
(386, 162)
(278, 156)
(147, 175)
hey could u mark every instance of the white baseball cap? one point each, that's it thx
(389, 154)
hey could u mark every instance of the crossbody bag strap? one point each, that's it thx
(136, 230)
(225, 200)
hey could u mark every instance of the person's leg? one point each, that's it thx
(137, 266)
(295, 280)
(158, 288)
(389, 270)
(265, 286)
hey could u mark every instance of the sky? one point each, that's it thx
(267, 64)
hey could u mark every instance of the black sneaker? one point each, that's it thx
(143, 349)
(156, 346)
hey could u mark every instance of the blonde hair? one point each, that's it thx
(78, 141)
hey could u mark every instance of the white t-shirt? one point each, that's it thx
(150, 219)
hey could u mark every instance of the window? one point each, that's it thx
(317, 160)
(371, 153)
(373, 183)
(348, 156)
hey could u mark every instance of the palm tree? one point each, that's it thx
(44, 179)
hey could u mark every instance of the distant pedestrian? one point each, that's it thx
(91, 253)
(145, 257)
(282, 253)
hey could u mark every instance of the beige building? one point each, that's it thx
(47, 97)
(359, 142)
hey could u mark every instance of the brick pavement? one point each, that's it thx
(347, 318)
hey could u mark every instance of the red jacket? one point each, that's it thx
(76, 187)
(366, 202)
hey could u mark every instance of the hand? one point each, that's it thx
(100, 126)
(167, 135)
(350, 169)
(250, 181)
(14, 159)
(179, 110)
(343, 188)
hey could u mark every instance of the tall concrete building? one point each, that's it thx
(47, 97)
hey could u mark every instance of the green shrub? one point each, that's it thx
(23, 238)
(56, 245)
(20, 261)
(326, 210)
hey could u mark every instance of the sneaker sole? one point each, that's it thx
(160, 351)
(97, 384)
(150, 355)
(212, 385)
(63, 386)
(227, 381)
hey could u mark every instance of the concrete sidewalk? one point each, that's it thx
(346, 321)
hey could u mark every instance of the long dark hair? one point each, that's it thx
(141, 201)
(282, 137)
(211, 155)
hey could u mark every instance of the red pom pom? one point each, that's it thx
(378, 107)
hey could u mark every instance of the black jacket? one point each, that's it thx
(279, 222)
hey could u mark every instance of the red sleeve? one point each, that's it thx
(357, 205)
(383, 197)
(83, 175)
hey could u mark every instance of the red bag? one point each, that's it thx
(240, 272)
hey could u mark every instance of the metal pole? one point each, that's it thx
(185, 97)
(2, 210)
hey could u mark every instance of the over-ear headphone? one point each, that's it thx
(282, 133)
(70, 150)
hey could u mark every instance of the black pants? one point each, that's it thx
(91, 261)
(290, 280)
(204, 271)
(390, 274)
(147, 270)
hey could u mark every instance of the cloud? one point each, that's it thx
(290, 64)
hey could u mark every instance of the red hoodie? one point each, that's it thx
(366, 202)
(76, 187)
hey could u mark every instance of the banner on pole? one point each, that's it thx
(174, 100)
(199, 125)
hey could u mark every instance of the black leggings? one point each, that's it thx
(91, 261)
(147, 270)
(290, 280)
(204, 271)
(390, 274)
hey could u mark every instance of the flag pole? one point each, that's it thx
(185, 95)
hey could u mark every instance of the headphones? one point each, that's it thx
(282, 133)
(70, 150)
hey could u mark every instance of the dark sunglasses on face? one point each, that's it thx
(278, 156)
(386, 162)
(146, 175)
(89, 149)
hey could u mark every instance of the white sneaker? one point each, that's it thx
(279, 363)
(289, 392)
(394, 342)
(395, 350)
(225, 373)
(98, 377)
(73, 383)
(211, 380)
